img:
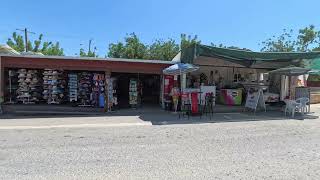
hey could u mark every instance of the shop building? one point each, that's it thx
(230, 73)
(101, 83)
(106, 84)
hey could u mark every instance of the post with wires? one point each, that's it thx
(25, 30)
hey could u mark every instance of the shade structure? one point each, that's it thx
(180, 68)
(5, 49)
(291, 71)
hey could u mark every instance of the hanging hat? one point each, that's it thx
(35, 80)
(21, 76)
(28, 80)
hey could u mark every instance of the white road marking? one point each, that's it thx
(76, 126)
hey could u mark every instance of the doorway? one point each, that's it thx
(148, 88)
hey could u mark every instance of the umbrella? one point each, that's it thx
(180, 68)
(291, 71)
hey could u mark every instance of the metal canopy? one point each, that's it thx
(291, 71)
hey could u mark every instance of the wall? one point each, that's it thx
(77, 64)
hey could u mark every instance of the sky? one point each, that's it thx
(242, 23)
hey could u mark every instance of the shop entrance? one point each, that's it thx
(136, 89)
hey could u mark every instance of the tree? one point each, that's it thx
(307, 39)
(132, 48)
(283, 43)
(187, 41)
(163, 50)
(16, 42)
(116, 50)
(88, 54)
(46, 48)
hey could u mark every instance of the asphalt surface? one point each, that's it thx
(278, 149)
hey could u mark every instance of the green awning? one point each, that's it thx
(271, 60)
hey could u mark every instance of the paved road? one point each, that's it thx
(279, 149)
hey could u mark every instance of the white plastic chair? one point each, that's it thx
(291, 107)
(304, 108)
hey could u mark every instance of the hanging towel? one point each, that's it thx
(194, 100)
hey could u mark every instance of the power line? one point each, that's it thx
(25, 30)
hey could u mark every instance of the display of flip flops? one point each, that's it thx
(54, 85)
(29, 90)
(85, 88)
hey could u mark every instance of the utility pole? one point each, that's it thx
(90, 41)
(25, 30)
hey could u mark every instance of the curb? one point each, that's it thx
(75, 126)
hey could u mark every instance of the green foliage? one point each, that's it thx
(16, 42)
(46, 48)
(52, 49)
(163, 50)
(116, 50)
(306, 40)
(133, 48)
(88, 54)
(283, 43)
(187, 41)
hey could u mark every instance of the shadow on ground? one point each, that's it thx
(157, 116)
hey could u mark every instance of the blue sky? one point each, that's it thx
(242, 23)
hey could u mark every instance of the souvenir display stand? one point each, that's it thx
(29, 91)
(133, 93)
(73, 87)
(114, 92)
(85, 85)
(12, 85)
(54, 85)
(231, 97)
(98, 90)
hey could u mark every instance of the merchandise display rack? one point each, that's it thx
(12, 86)
(54, 84)
(133, 93)
(98, 90)
(85, 85)
(29, 91)
(73, 87)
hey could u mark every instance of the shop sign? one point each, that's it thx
(255, 99)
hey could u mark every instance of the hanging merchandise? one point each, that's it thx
(98, 90)
(29, 90)
(85, 91)
(73, 87)
(54, 84)
(113, 89)
(12, 86)
(133, 92)
(110, 92)
(35, 85)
